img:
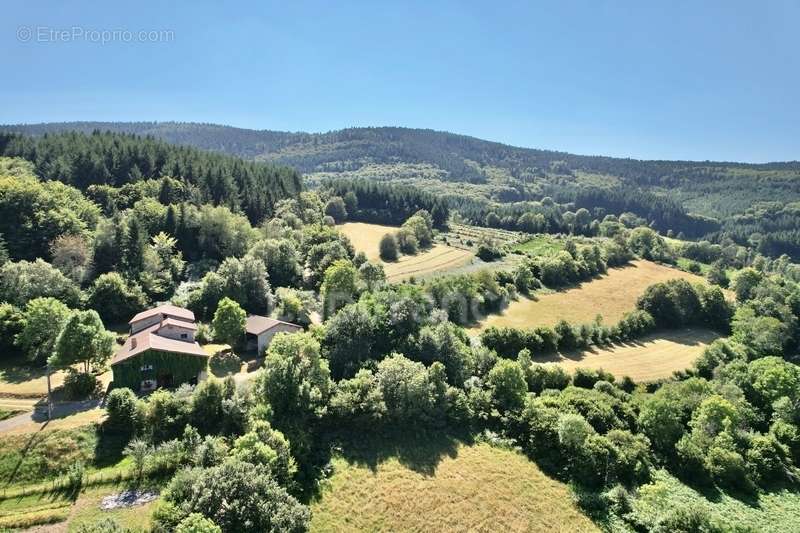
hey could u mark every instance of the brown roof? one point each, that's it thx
(148, 339)
(167, 310)
(256, 324)
(179, 324)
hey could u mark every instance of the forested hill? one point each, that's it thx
(709, 188)
(102, 164)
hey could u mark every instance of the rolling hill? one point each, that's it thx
(743, 201)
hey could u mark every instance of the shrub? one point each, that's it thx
(121, 410)
(542, 377)
(75, 473)
(104, 525)
(197, 523)
(80, 385)
(587, 377)
(508, 385)
(239, 497)
(388, 247)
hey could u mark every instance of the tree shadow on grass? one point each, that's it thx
(19, 370)
(416, 449)
(109, 446)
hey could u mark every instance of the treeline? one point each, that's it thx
(112, 159)
(387, 203)
(668, 305)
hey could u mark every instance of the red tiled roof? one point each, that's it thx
(256, 324)
(148, 339)
(168, 310)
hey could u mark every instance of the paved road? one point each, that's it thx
(39, 413)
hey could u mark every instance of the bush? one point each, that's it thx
(197, 523)
(240, 497)
(80, 385)
(543, 377)
(587, 377)
(388, 248)
(121, 411)
(75, 473)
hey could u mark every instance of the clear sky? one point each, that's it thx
(678, 80)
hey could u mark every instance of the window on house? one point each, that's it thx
(184, 336)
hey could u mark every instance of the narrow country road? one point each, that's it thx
(39, 413)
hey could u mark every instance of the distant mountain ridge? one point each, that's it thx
(250, 143)
(507, 173)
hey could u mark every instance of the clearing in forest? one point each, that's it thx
(441, 485)
(610, 295)
(651, 358)
(440, 257)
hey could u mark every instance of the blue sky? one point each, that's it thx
(679, 80)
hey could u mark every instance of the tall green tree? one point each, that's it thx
(229, 322)
(44, 318)
(83, 339)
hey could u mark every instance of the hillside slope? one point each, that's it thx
(417, 153)
(755, 204)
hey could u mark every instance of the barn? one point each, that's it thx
(261, 329)
(160, 351)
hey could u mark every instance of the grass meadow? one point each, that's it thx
(439, 258)
(610, 295)
(437, 484)
(651, 358)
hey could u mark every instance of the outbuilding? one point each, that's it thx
(261, 329)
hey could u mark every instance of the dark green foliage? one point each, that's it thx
(23, 281)
(388, 203)
(237, 496)
(34, 213)
(12, 321)
(121, 411)
(388, 247)
(115, 299)
(183, 368)
(113, 159)
(80, 385)
(676, 303)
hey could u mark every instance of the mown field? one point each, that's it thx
(648, 359)
(439, 258)
(459, 488)
(611, 296)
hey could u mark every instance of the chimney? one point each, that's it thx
(133, 343)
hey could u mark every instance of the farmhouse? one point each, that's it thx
(160, 351)
(261, 329)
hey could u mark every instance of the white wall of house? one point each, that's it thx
(176, 332)
(266, 337)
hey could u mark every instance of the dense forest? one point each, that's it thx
(710, 200)
(101, 160)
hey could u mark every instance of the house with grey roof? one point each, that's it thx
(261, 329)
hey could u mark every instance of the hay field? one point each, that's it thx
(611, 296)
(651, 358)
(366, 237)
(469, 488)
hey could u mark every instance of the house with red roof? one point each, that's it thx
(160, 352)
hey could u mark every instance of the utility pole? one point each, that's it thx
(49, 396)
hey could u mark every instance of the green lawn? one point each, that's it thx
(541, 245)
(35, 457)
